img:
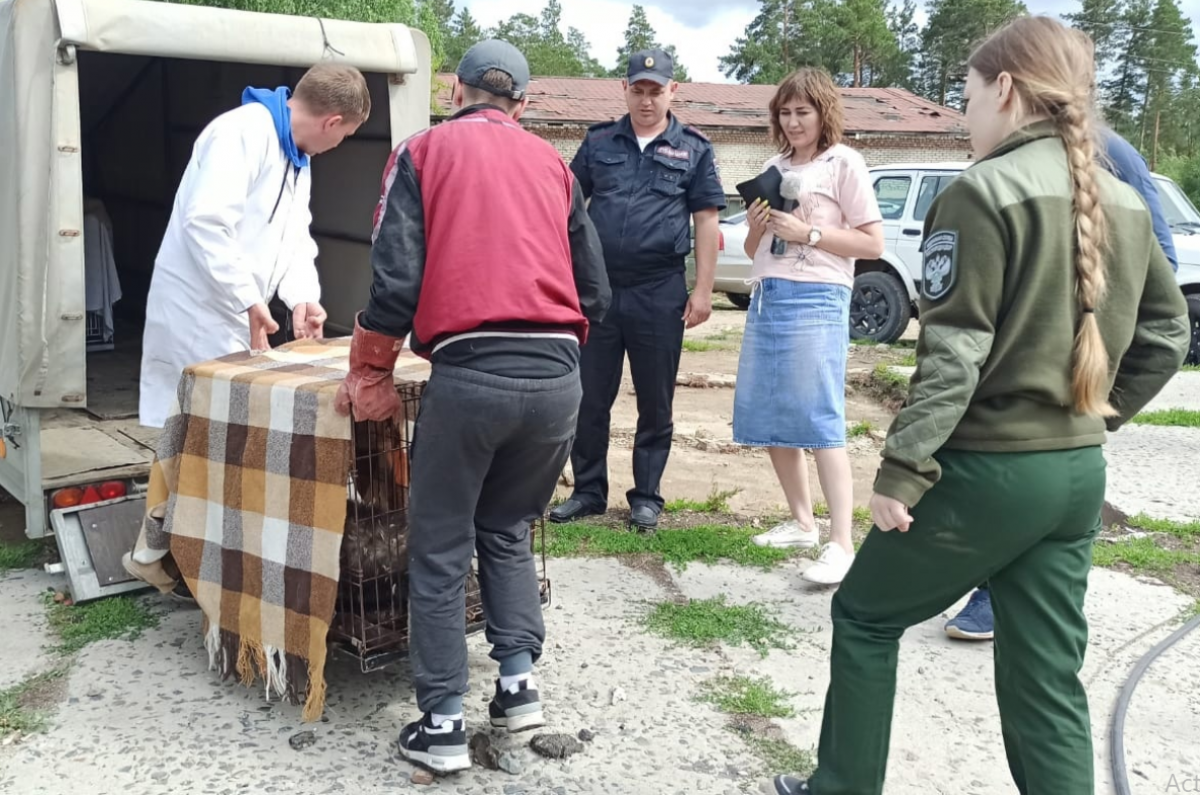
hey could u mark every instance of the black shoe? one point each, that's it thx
(442, 750)
(790, 785)
(644, 518)
(573, 509)
(517, 712)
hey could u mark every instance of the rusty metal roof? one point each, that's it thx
(578, 100)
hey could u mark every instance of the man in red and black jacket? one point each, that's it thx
(485, 254)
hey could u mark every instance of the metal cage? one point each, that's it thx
(371, 620)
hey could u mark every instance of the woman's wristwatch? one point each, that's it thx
(814, 236)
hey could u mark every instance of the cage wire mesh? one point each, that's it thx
(371, 619)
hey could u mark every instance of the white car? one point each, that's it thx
(886, 289)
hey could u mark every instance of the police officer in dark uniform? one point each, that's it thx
(647, 175)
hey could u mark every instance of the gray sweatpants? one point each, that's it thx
(487, 453)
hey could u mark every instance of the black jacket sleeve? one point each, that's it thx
(397, 255)
(587, 259)
(579, 167)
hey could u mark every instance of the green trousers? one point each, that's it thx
(1025, 523)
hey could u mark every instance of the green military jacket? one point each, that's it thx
(999, 314)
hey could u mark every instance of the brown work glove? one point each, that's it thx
(369, 387)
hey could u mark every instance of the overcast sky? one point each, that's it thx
(701, 30)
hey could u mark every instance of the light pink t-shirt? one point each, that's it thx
(837, 194)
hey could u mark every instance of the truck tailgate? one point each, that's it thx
(77, 449)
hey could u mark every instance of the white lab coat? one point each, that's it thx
(223, 252)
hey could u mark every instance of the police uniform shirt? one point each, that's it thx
(642, 200)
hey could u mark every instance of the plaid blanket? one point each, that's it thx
(247, 499)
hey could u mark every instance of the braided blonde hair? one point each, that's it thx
(1053, 69)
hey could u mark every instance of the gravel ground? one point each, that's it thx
(146, 717)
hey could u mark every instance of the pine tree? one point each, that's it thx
(856, 41)
(898, 69)
(464, 32)
(954, 28)
(549, 52)
(765, 54)
(1101, 20)
(872, 45)
(640, 35)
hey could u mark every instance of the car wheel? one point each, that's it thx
(740, 300)
(1193, 303)
(879, 308)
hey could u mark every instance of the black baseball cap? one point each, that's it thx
(653, 65)
(494, 54)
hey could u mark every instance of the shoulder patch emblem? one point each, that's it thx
(940, 265)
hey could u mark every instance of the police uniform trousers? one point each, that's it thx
(1025, 523)
(645, 322)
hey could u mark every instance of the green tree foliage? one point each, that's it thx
(420, 14)
(640, 35)
(954, 29)
(464, 32)
(549, 53)
(1149, 79)
(859, 42)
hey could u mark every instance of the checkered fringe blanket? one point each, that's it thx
(247, 498)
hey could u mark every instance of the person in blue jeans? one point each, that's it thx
(974, 621)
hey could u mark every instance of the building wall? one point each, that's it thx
(741, 153)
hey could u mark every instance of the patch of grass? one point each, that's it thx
(705, 543)
(742, 695)
(885, 375)
(860, 429)
(717, 502)
(708, 621)
(723, 340)
(20, 556)
(909, 360)
(780, 756)
(1178, 418)
(1152, 525)
(113, 618)
(1142, 554)
(19, 705)
(860, 515)
(1191, 368)
(700, 346)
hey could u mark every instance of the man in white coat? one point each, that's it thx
(239, 230)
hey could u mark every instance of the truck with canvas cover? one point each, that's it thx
(103, 101)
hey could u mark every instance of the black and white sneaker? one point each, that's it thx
(441, 749)
(790, 785)
(518, 709)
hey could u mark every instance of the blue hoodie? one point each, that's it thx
(1130, 167)
(276, 102)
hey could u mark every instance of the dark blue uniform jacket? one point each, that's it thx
(642, 202)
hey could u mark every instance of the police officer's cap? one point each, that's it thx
(494, 54)
(653, 65)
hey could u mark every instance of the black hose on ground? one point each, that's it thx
(1120, 777)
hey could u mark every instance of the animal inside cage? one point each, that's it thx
(371, 619)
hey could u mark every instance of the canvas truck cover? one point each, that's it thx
(42, 301)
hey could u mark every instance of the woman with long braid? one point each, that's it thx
(1049, 316)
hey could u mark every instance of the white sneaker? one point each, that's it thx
(788, 534)
(831, 567)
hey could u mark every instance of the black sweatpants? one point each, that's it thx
(487, 453)
(644, 321)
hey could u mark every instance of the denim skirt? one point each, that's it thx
(791, 380)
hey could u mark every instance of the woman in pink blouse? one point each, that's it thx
(791, 385)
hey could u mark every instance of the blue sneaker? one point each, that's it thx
(973, 622)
